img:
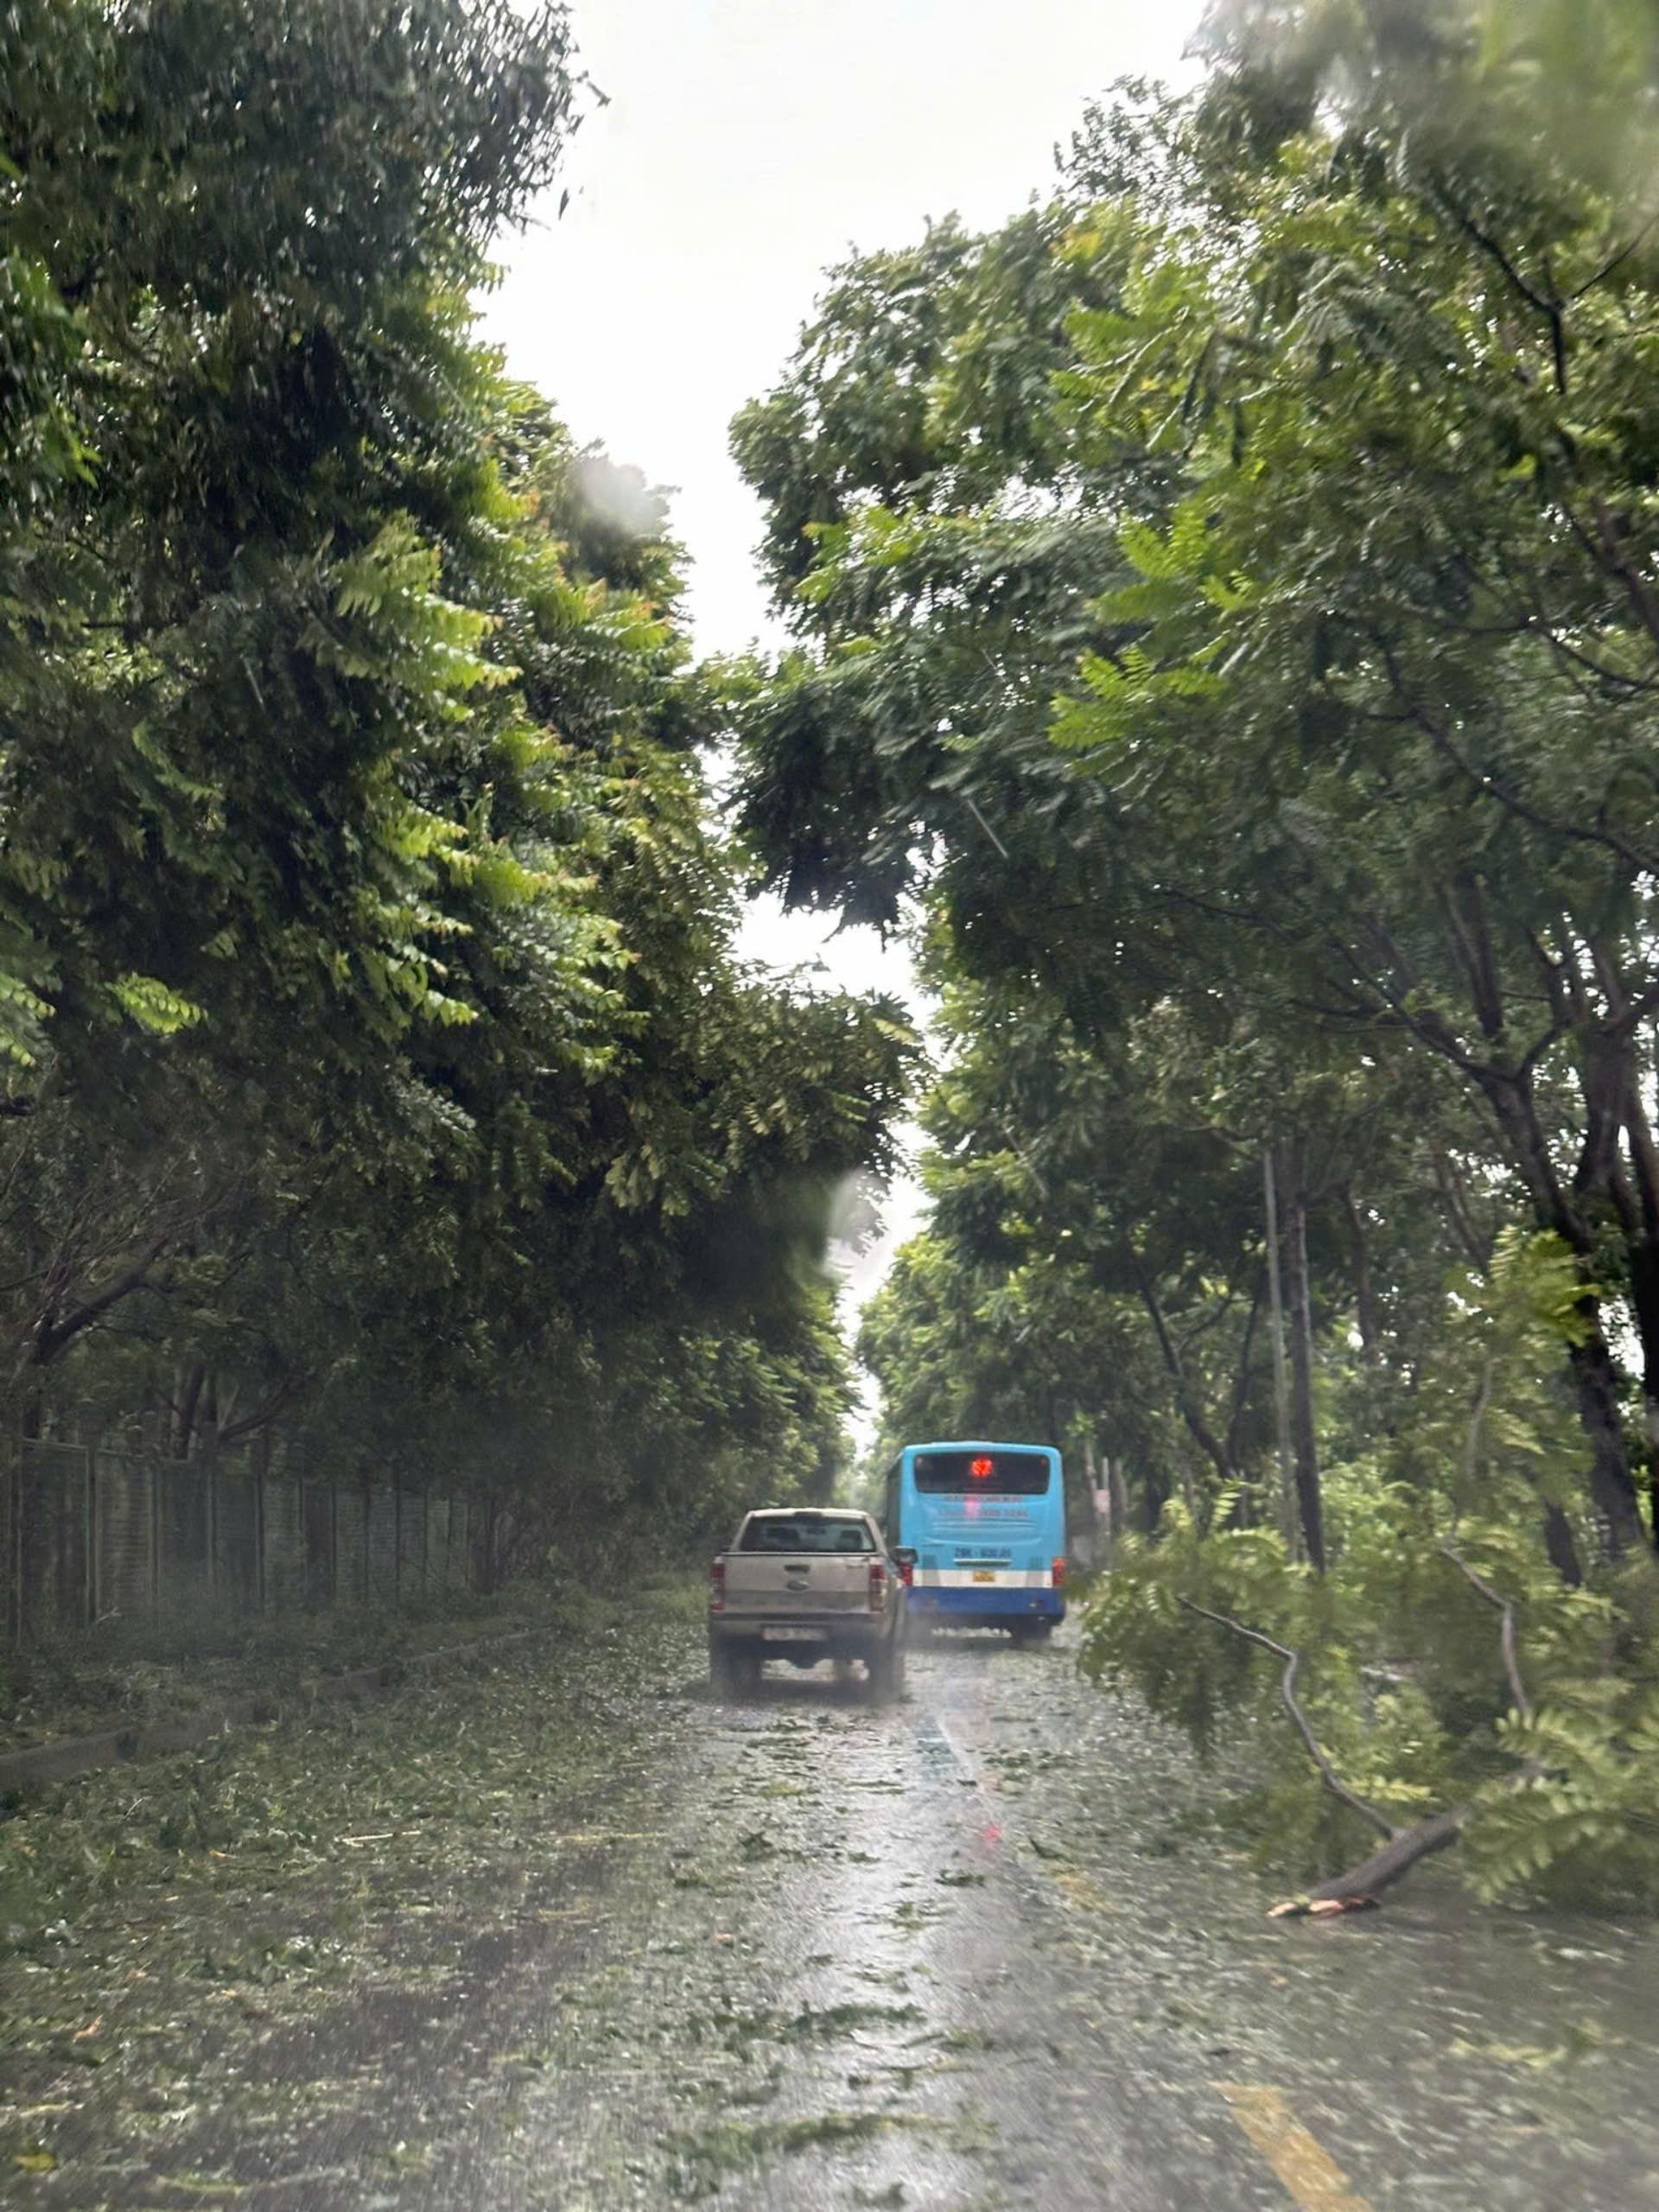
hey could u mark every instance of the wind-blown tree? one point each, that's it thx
(1246, 332)
(230, 627)
(375, 1053)
(1098, 1245)
(1424, 773)
(238, 679)
(1323, 744)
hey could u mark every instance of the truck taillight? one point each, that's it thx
(1059, 1573)
(877, 1586)
(717, 1587)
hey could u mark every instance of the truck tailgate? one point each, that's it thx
(794, 1586)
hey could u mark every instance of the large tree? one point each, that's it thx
(1252, 678)
(377, 1057)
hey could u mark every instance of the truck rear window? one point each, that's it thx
(981, 1474)
(811, 1533)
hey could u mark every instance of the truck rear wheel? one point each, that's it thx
(733, 1666)
(887, 1666)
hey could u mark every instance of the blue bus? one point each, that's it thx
(986, 1524)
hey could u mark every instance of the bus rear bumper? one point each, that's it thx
(991, 1607)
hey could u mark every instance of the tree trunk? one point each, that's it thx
(1454, 1198)
(1364, 1292)
(1304, 1442)
(1563, 1552)
(1198, 1428)
(1644, 1308)
(1396, 1858)
(1118, 1493)
(1644, 1282)
(189, 1398)
(1611, 1103)
(1154, 1497)
(1243, 1375)
(1287, 1518)
(1612, 1486)
(1613, 1489)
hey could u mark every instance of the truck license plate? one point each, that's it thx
(984, 1574)
(789, 1636)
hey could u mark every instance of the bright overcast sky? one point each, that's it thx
(749, 145)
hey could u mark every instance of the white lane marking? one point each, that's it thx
(965, 1766)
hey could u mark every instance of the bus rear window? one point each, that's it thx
(981, 1474)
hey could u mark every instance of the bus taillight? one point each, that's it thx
(1059, 1573)
(717, 1587)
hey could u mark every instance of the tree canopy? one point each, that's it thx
(1225, 598)
(377, 1058)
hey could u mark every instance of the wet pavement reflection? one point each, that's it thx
(973, 1950)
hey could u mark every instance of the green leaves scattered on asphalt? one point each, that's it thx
(263, 1881)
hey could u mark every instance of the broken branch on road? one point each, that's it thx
(1403, 1847)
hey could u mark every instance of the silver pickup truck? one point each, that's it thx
(805, 1583)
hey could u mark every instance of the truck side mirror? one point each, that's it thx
(905, 1555)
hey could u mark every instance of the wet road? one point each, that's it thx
(969, 1952)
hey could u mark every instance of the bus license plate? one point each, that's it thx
(789, 1636)
(984, 1574)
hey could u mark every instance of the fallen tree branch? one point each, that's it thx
(1401, 1847)
(1328, 1775)
(1362, 1883)
(1506, 1634)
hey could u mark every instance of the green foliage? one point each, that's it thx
(1584, 1825)
(1401, 1673)
(1258, 700)
(380, 1060)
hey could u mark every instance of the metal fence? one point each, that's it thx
(89, 1535)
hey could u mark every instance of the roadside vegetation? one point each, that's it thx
(123, 1675)
(374, 1061)
(1227, 629)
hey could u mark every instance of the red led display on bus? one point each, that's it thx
(1013, 1474)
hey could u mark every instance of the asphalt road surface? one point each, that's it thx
(973, 1951)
